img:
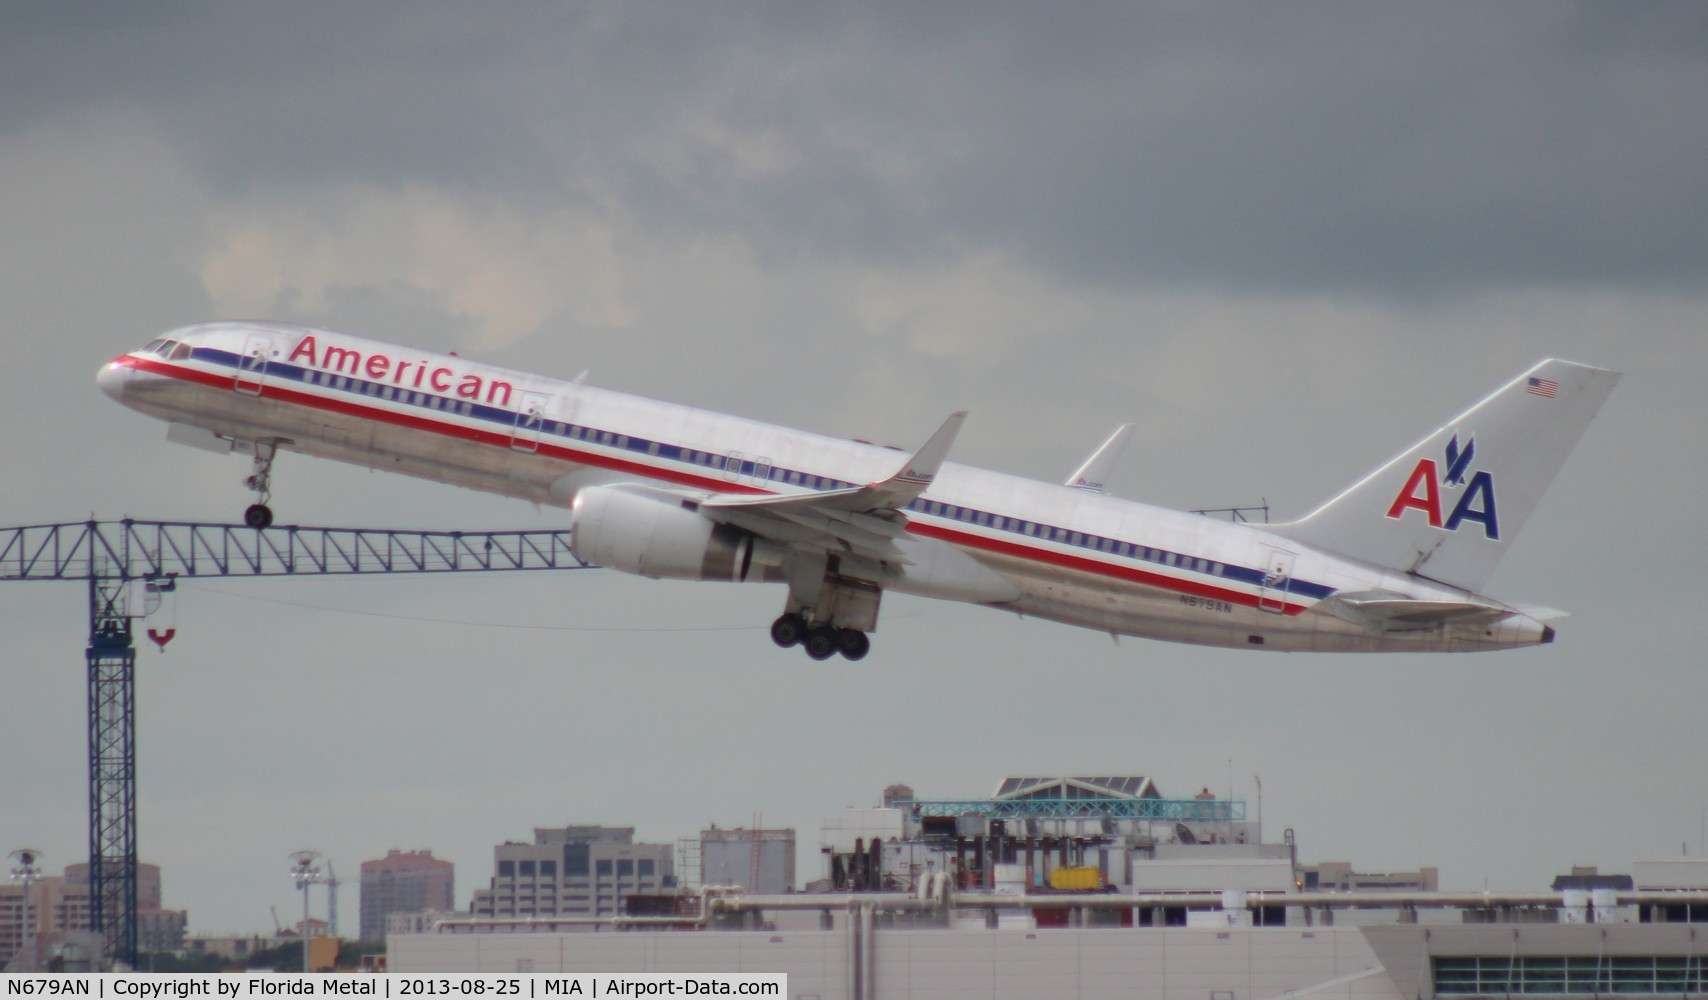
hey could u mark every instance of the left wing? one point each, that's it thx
(863, 520)
(889, 495)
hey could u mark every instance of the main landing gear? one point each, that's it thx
(827, 613)
(258, 514)
(820, 641)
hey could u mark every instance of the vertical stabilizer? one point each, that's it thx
(1449, 507)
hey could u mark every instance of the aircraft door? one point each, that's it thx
(530, 422)
(1277, 581)
(252, 364)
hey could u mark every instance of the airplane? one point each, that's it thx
(1392, 563)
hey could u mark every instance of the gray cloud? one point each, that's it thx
(1339, 148)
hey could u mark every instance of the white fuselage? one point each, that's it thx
(1073, 556)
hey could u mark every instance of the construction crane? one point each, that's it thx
(127, 566)
(331, 900)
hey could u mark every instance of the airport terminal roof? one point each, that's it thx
(1117, 787)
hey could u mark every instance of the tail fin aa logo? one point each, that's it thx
(1476, 499)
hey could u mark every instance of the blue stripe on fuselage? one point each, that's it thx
(712, 462)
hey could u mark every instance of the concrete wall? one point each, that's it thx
(727, 858)
(1147, 964)
(1212, 876)
(1138, 964)
(816, 962)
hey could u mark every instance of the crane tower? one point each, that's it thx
(128, 564)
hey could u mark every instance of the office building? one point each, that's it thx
(404, 882)
(573, 871)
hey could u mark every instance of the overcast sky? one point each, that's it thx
(1286, 239)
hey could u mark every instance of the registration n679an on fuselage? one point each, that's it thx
(1396, 562)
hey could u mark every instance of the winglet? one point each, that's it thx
(1093, 473)
(922, 468)
(918, 472)
(899, 490)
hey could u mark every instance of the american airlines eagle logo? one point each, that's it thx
(1430, 487)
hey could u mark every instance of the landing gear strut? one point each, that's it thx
(820, 641)
(827, 613)
(259, 515)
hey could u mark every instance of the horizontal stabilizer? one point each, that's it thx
(1394, 612)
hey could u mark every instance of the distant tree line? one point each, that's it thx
(285, 958)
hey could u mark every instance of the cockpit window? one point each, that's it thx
(171, 350)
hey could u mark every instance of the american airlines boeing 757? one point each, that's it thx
(1393, 563)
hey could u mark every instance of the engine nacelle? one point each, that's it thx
(658, 534)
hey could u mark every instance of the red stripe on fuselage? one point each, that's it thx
(283, 394)
(964, 539)
(1068, 560)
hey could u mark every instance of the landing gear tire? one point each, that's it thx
(259, 515)
(852, 643)
(786, 631)
(821, 643)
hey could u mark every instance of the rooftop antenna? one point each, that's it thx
(1259, 780)
(755, 855)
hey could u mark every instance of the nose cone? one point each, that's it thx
(112, 378)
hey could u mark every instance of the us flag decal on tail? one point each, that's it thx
(1542, 387)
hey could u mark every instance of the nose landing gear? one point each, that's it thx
(258, 514)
